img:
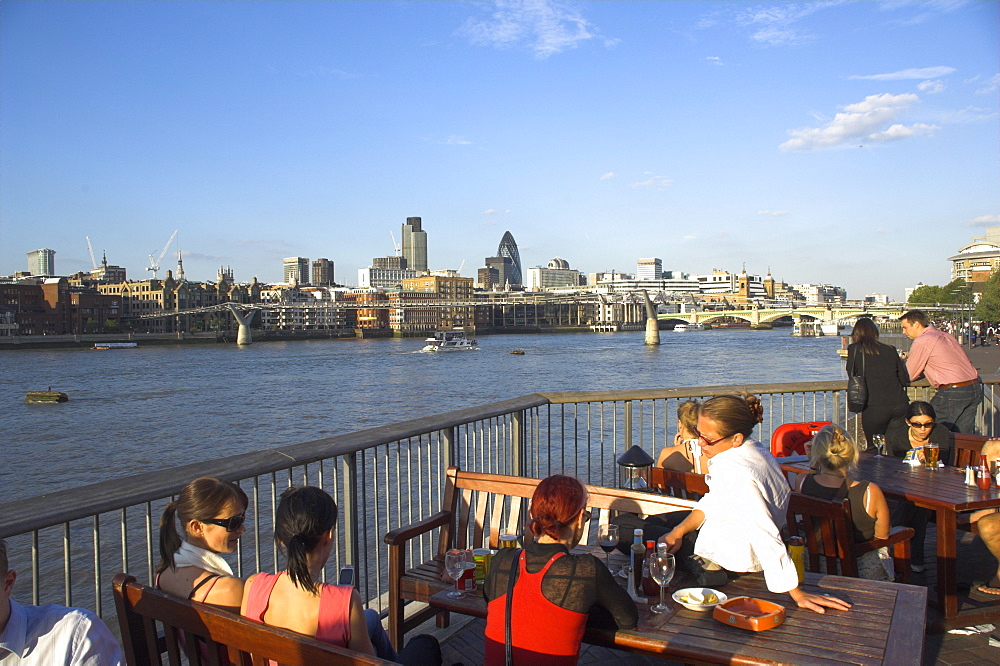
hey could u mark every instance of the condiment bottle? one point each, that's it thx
(797, 551)
(636, 553)
(970, 475)
(983, 478)
(649, 586)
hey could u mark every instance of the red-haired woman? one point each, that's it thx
(554, 592)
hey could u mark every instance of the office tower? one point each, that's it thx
(322, 273)
(502, 267)
(297, 270)
(649, 269)
(414, 244)
(508, 248)
(391, 263)
(42, 262)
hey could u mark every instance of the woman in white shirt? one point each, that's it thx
(737, 524)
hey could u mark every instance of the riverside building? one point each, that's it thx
(42, 262)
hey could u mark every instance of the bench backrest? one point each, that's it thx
(485, 506)
(827, 528)
(685, 485)
(222, 637)
(965, 449)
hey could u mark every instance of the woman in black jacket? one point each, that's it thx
(885, 374)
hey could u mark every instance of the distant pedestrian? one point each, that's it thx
(940, 358)
(885, 375)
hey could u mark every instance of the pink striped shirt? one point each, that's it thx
(938, 356)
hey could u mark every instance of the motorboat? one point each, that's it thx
(450, 341)
(806, 329)
(689, 327)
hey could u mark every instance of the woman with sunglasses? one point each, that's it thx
(554, 592)
(736, 527)
(919, 428)
(211, 513)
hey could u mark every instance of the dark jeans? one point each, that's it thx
(875, 419)
(908, 514)
(957, 407)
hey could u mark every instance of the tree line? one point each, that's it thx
(958, 291)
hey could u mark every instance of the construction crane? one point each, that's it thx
(154, 265)
(395, 245)
(91, 250)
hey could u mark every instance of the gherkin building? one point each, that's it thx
(508, 248)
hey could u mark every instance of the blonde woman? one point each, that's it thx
(685, 454)
(834, 455)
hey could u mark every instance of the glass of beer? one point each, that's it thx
(932, 452)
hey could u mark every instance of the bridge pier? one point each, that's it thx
(652, 323)
(243, 337)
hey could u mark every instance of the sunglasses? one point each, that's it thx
(708, 443)
(927, 424)
(231, 524)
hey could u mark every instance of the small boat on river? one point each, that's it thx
(447, 341)
(115, 345)
(680, 328)
(45, 397)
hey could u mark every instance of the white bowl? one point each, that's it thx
(682, 597)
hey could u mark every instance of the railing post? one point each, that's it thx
(448, 447)
(517, 443)
(349, 463)
(628, 425)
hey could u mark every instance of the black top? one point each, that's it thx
(864, 525)
(580, 583)
(885, 374)
(897, 440)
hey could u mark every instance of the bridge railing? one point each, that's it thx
(67, 545)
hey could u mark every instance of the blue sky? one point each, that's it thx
(853, 143)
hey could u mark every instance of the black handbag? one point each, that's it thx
(857, 387)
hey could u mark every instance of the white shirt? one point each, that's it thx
(744, 513)
(51, 635)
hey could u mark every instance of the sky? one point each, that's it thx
(845, 143)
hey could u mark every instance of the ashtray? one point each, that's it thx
(749, 613)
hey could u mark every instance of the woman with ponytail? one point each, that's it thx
(296, 599)
(736, 527)
(833, 455)
(554, 592)
(211, 513)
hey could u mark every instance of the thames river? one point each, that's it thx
(133, 410)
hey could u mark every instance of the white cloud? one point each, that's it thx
(907, 74)
(454, 140)
(608, 176)
(931, 87)
(545, 27)
(773, 213)
(652, 183)
(490, 211)
(776, 25)
(992, 85)
(872, 119)
(714, 60)
(984, 221)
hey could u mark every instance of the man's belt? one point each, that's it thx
(957, 384)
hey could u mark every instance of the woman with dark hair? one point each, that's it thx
(885, 375)
(212, 515)
(737, 525)
(920, 427)
(296, 599)
(554, 592)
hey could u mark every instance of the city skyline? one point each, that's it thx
(848, 143)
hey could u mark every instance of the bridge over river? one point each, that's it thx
(757, 316)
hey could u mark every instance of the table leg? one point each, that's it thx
(947, 552)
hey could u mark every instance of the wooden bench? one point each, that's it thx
(477, 509)
(153, 622)
(684, 485)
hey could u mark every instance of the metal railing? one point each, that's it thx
(381, 479)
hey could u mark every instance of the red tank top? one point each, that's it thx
(541, 631)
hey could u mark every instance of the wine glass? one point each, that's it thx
(456, 563)
(661, 568)
(879, 442)
(607, 539)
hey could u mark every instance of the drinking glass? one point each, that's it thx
(879, 442)
(456, 563)
(607, 539)
(661, 568)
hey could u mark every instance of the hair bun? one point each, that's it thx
(756, 408)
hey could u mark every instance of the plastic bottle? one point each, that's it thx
(797, 551)
(636, 553)
(649, 586)
(983, 478)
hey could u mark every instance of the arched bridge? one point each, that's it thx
(757, 316)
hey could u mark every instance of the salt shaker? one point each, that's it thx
(970, 475)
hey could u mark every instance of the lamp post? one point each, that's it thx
(633, 469)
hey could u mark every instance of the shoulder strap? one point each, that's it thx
(842, 491)
(206, 579)
(515, 569)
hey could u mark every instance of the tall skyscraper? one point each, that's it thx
(414, 244)
(42, 262)
(649, 269)
(297, 270)
(322, 273)
(508, 248)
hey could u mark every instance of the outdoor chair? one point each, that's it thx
(827, 528)
(685, 485)
(790, 439)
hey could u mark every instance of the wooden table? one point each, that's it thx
(884, 626)
(942, 490)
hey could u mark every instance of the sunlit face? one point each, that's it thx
(713, 442)
(921, 426)
(911, 329)
(217, 538)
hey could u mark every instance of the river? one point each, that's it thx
(133, 410)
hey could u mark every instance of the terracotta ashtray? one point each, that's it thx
(749, 613)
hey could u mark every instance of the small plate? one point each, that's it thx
(681, 597)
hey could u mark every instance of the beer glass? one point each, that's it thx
(932, 453)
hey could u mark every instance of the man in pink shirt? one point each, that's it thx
(937, 356)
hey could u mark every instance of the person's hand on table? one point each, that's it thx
(673, 540)
(816, 602)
